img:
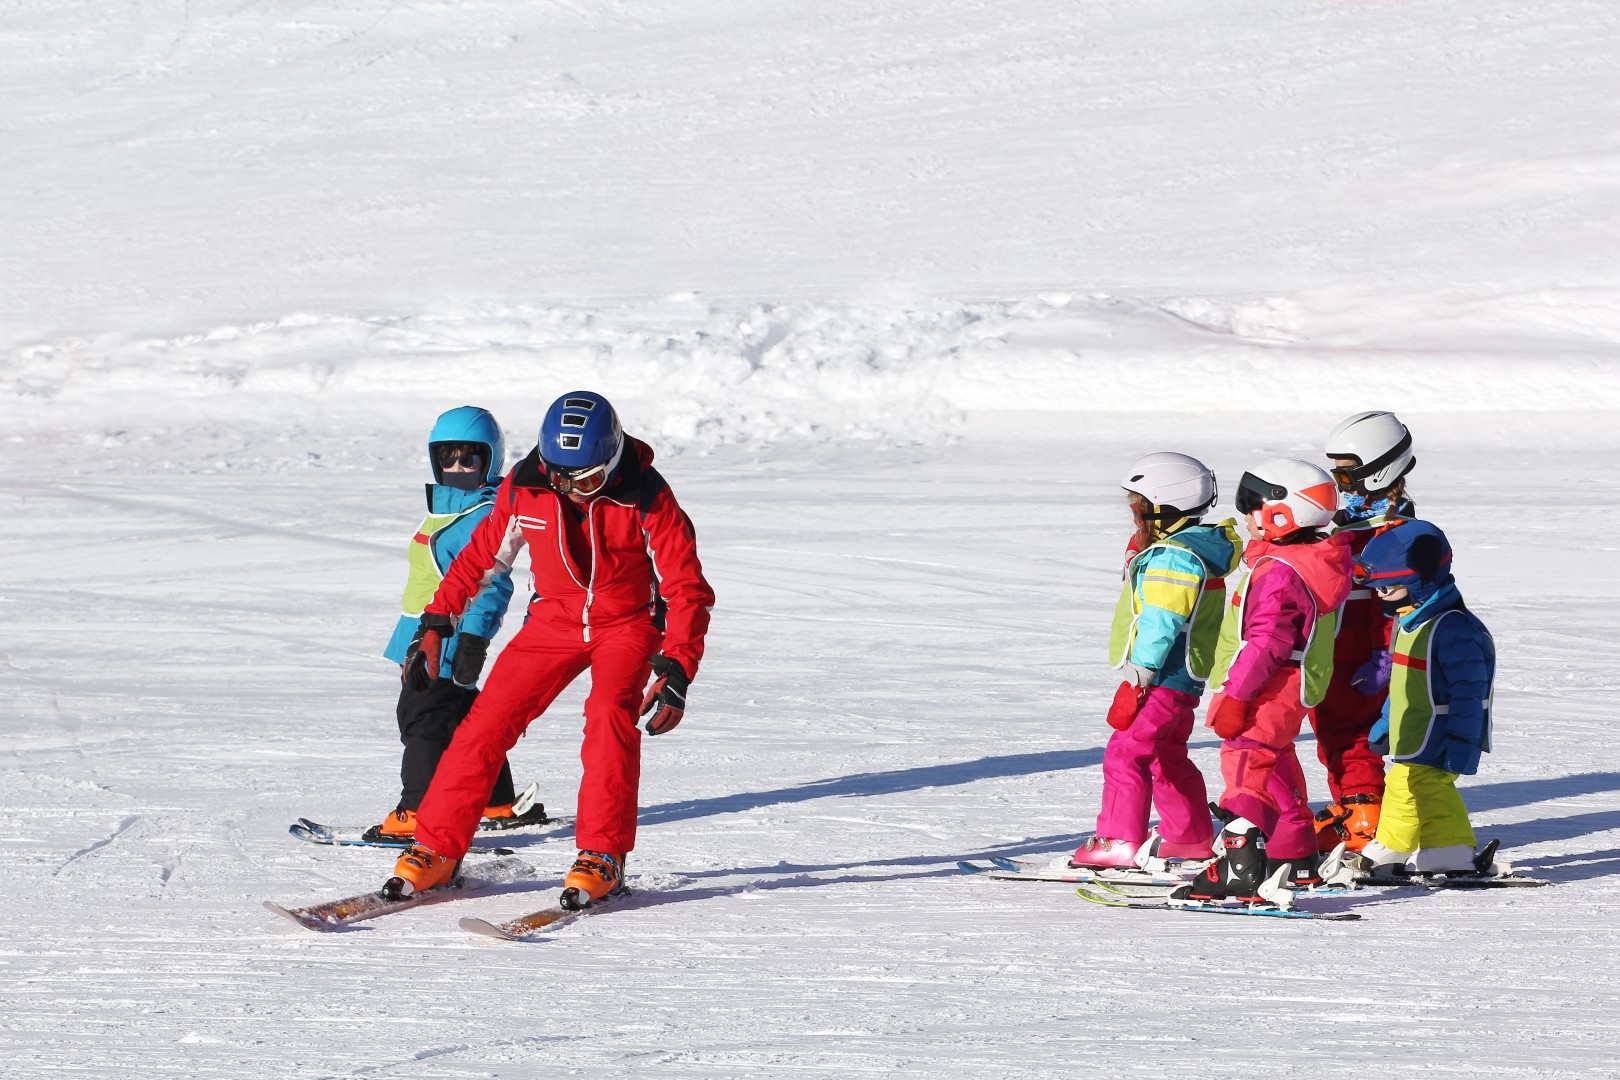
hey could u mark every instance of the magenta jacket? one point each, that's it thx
(1280, 606)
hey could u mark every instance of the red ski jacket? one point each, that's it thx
(630, 553)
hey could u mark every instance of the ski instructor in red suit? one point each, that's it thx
(618, 591)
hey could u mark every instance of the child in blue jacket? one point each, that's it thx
(466, 452)
(1437, 721)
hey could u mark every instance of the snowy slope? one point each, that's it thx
(897, 289)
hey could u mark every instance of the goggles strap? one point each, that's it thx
(1384, 460)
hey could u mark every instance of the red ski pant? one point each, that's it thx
(1346, 715)
(536, 666)
(1342, 722)
(1147, 763)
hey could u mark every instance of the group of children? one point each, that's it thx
(1345, 612)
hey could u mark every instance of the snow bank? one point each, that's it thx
(701, 375)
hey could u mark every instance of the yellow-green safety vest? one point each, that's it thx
(1412, 711)
(424, 577)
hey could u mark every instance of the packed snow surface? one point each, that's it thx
(896, 289)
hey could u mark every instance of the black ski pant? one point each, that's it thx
(427, 720)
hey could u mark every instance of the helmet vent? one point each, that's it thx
(580, 403)
(573, 420)
(569, 442)
(1137, 477)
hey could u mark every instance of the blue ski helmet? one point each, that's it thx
(1414, 553)
(469, 424)
(581, 430)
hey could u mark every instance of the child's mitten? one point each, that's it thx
(1229, 716)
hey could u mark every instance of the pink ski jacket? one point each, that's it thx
(1289, 585)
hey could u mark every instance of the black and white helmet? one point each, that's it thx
(1178, 486)
(1381, 446)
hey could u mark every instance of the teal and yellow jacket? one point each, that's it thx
(1168, 618)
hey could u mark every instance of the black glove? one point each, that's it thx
(666, 697)
(471, 651)
(422, 654)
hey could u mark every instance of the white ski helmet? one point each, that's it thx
(1381, 446)
(1176, 485)
(1284, 495)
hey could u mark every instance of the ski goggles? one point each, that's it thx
(1377, 580)
(447, 454)
(1349, 477)
(1253, 493)
(586, 481)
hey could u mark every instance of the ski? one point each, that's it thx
(1145, 891)
(527, 812)
(1488, 873)
(1452, 881)
(536, 923)
(337, 914)
(312, 832)
(1058, 870)
(1103, 898)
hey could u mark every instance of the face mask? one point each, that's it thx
(1393, 608)
(464, 481)
(1361, 506)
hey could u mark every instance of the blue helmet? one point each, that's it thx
(1414, 553)
(580, 431)
(469, 424)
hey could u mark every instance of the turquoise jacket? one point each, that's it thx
(464, 509)
(1167, 582)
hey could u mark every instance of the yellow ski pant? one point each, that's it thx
(1422, 809)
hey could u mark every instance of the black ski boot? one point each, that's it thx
(1304, 871)
(1238, 873)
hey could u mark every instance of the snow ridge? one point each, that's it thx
(699, 374)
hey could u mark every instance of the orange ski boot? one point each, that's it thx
(1361, 823)
(419, 870)
(595, 875)
(1330, 830)
(514, 815)
(397, 826)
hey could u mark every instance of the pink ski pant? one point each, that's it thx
(1264, 782)
(536, 666)
(1147, 763)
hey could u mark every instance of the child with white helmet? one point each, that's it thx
(1166, 627)
(1371, 455)
(1274, 662)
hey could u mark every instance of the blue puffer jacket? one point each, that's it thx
(1462, 666)
(452, 515)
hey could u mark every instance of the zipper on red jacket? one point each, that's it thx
(590, 586)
